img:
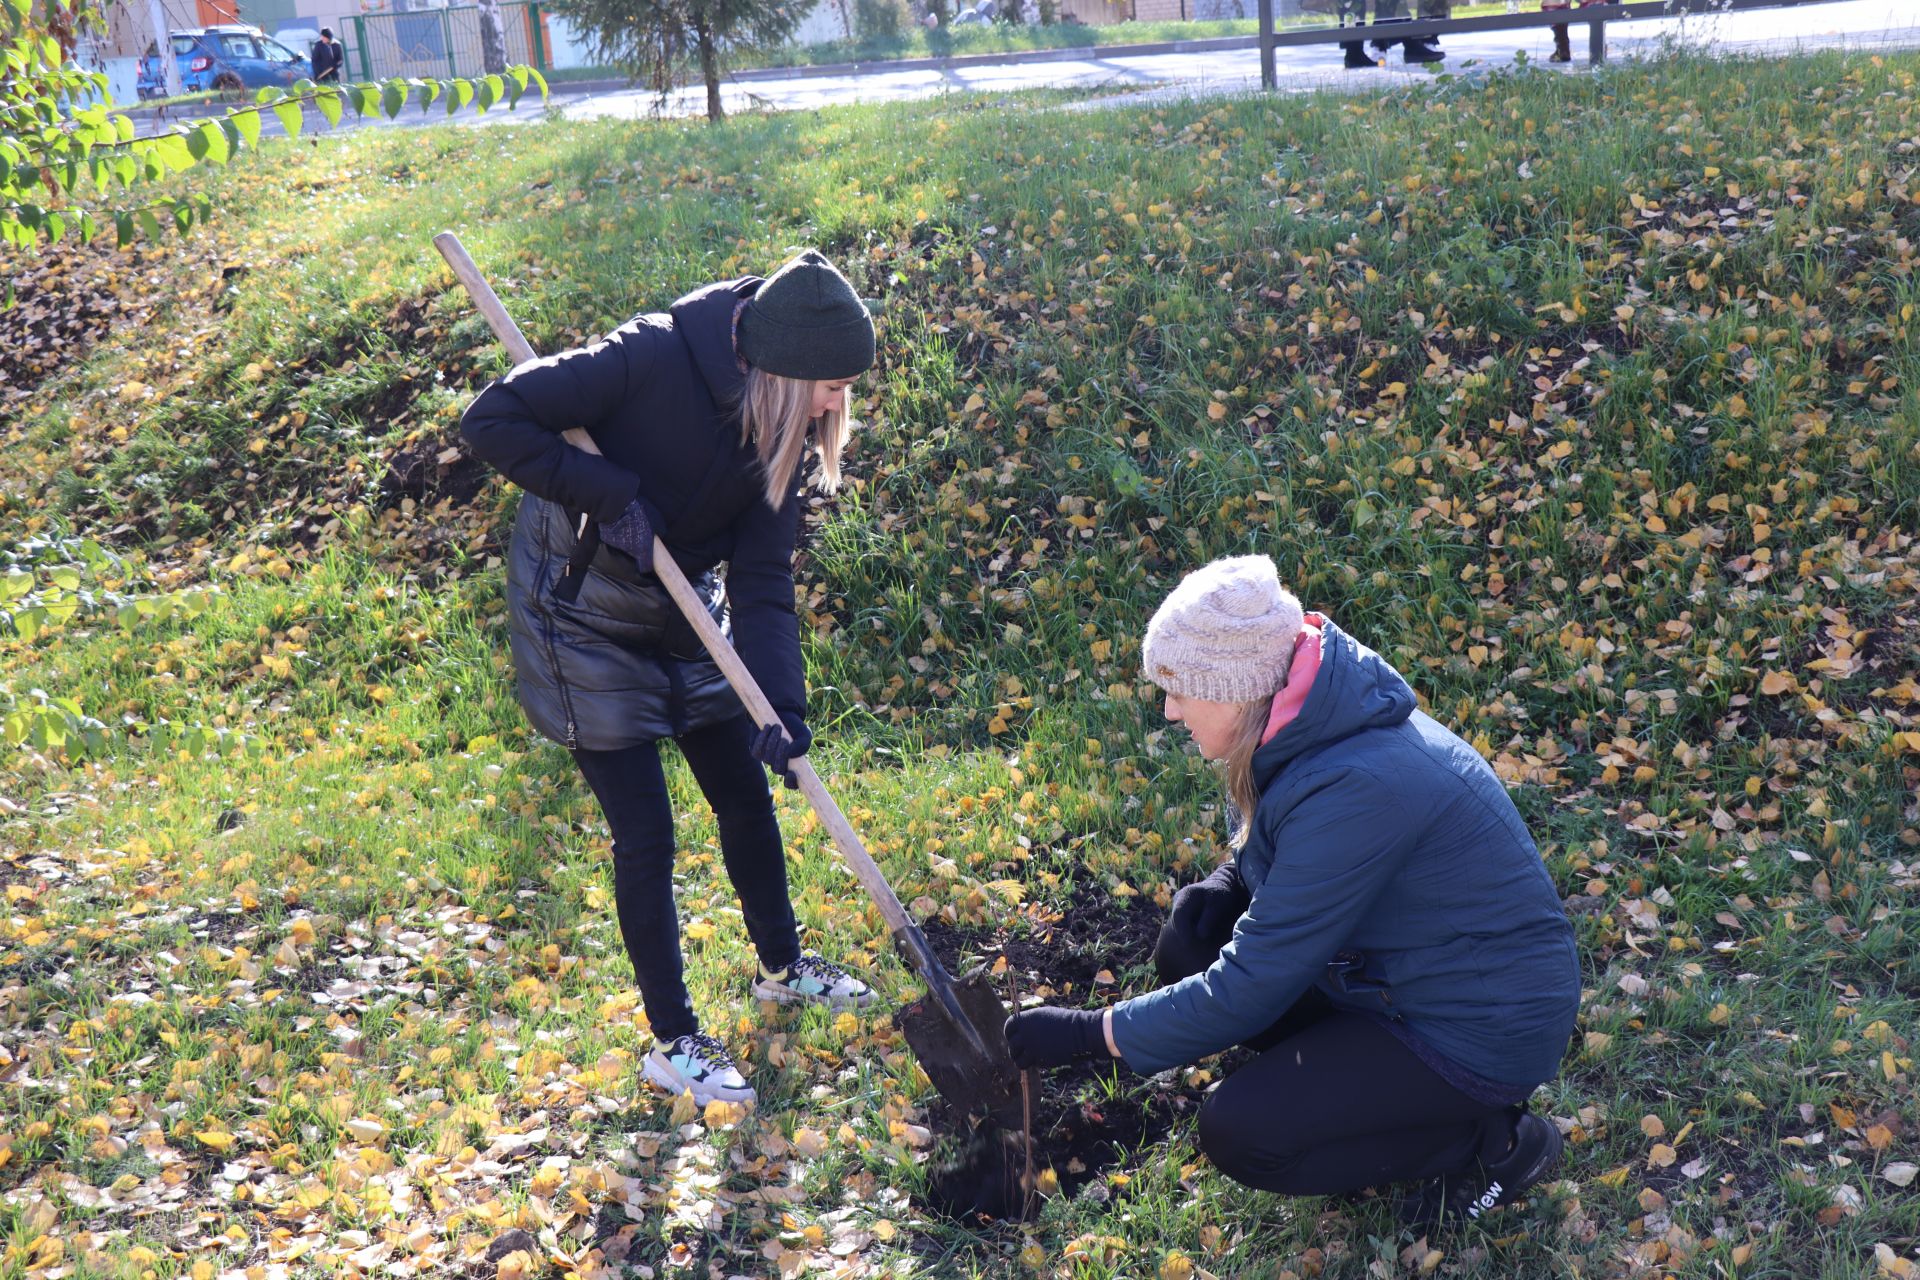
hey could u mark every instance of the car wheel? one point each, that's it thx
(229, 81)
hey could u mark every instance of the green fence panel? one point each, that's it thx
(429, 43)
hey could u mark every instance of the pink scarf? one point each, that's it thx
(1300, 673)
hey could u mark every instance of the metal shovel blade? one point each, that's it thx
(981, 1086)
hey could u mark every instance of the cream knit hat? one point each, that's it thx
(1226, 634)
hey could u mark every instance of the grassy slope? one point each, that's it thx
(1591, 403)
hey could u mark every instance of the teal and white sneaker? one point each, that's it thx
(811, 980)
(697, 1064)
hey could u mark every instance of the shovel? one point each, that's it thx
(958, 1034)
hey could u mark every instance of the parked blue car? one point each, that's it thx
(223, 57)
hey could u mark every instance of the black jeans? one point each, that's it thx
(1334, 1102)
(632, 790)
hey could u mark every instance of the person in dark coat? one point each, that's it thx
(327, 57)
(1386, 936)
(705, 416)
(1386, 12)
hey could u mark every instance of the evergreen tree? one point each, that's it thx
(656, 40)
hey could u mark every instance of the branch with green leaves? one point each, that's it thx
(53, 148)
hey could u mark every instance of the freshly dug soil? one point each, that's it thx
(1087, 1118)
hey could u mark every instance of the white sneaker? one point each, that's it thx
(811, 980)
(697, 1064)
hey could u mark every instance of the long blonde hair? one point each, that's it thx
(773, 417)
(1238, 765)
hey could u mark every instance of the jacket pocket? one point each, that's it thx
(1353, 975)
(629, 613)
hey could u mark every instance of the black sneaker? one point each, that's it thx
(1486, 1185)
(1419, 51)
(1357, 56)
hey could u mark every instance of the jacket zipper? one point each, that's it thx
(553, 657)
(559, 682)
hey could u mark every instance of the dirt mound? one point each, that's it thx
(1087, 1119)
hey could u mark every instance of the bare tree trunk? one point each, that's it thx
(709, 67)
(493, 38)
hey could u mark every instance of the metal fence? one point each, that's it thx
(436, 43)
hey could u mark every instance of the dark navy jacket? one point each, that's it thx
(660, 396)
(1389, 867)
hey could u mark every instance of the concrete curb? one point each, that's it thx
(1076, 53)
(185, 111)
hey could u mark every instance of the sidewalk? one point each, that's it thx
(1232, 65)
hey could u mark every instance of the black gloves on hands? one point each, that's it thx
(1050, 1037)
(1208, 908)
(633, 532)
(1200, 921)
(776, 745)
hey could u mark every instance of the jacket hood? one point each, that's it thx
(704, 318)
(1353, 690)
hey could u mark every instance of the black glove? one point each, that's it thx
(1199, 922)
(1208, 908)
(1050, 1037)
(633, 532)
(777, 744)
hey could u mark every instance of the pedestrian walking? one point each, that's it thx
(326, 58)
(1562, 41)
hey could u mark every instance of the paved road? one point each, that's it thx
(1852, 24)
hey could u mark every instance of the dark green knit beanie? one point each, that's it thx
(807, 322)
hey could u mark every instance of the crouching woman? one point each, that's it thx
(1385, 937)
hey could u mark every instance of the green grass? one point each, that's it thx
(1656, 563)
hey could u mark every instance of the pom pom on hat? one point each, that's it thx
(1226, 634)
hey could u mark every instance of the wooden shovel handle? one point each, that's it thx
(864, 868)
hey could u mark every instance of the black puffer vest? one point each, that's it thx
(616, 664)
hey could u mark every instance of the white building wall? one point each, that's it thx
(122, 73)
(569, 48)
(825, 21)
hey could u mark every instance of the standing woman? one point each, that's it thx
(706, 417)
(1386, 937)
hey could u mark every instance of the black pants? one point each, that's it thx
(1335, 1102)
(632, 790)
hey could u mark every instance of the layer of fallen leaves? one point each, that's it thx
(1620, 472)
(60, 304)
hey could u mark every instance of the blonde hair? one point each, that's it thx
(773, 417)
(1238, 765)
